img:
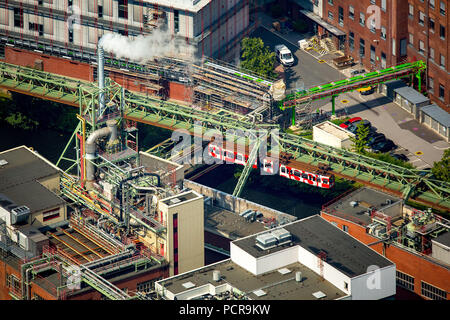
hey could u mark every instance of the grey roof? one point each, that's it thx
(437, 114)
(315, 234)
(33, 195)
(411, 95)
(23, 166)
(443, 239)
(276, 285)
(365, 198)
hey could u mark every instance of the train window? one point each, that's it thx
(331, 179)
(297, 174)
(230, 155)
(318, 179)
(239, 157)
(325, 181)
(283, 169)
(268, 164)
(304, 176)
(312, 178)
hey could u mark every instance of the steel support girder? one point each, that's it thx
(248, 167)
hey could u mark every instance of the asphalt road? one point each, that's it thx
(421, 145)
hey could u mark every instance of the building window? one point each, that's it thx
(36, 27)
(411, 39)
(351, 12)
(383, 33)
(345, 228)
(373, 25)
(51, 214)
(362, 48)
(341, 16)
(442, 32)
(176, 21)
(411, 11)
(421, 47)
(442, 62)
(383, 5)
(330, 2)
(123, 9)
(433, 292)
(372, 54)
(383, 60)
(431, 24)
(432, 53)
(330, 15)
(351, 41)
(70, 35)
(442, 8)
(362, 19)
(441, 92)
(18, 17)
(431, 84)
(421, 18)
(432, 4)
(394, 50)
(405, 281)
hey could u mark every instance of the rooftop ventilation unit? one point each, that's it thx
(388, 201)
(188, 285)
(3, 162)
(282, 235)
(353, 203)
(20, 214)
(266, 241)
(175, 200)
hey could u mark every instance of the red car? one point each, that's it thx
(349, 122)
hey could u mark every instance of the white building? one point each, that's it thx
(332, 135)
(214, 26)
(305, 260)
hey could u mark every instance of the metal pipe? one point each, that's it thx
(101, 77)
(110, 129)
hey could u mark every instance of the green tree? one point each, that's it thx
(360, 140)
(257, 58)
(441, 169)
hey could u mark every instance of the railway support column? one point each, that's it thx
(293, 116)
(419, 78)
(333, 105)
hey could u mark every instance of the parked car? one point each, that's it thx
(366, 91)
(384, 146)
(375, 138)
(400, 156)
(347, 123)
(353, 128)
(356, 72)
(284, 55)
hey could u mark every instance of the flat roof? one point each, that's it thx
(443, 239)
(230, 224)
(334, 130)
(365, 198)
(437, 114)
(315, 234)
(275, 285)
(33, 195)
(411, 95)
(23, 166)
(182, 197)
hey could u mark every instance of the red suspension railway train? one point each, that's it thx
(321, 179)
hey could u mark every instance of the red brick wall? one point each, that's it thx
(394, 29)
(411, 264)
(178, 91)
(51, 64)
(4, 270)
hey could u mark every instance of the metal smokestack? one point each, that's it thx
(101, 77)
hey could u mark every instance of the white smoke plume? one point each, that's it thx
(144, 48)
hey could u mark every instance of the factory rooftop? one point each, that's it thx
(229, 224)
(315, 234)
(355, 205)
(20, 165)
(276, 285)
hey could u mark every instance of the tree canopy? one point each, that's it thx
(441, 169)
(360, 140)
(257, 58)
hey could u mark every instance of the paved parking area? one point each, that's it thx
(421, 145)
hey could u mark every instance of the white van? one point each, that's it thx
(284, 55)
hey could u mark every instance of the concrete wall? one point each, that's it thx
(378, 284)
(276, 260)
(238, 205)
(243, 259)
(440, 252)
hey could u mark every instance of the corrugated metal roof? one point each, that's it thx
(411, 95)
(437, 114)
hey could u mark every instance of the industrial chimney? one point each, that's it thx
(101, 78)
